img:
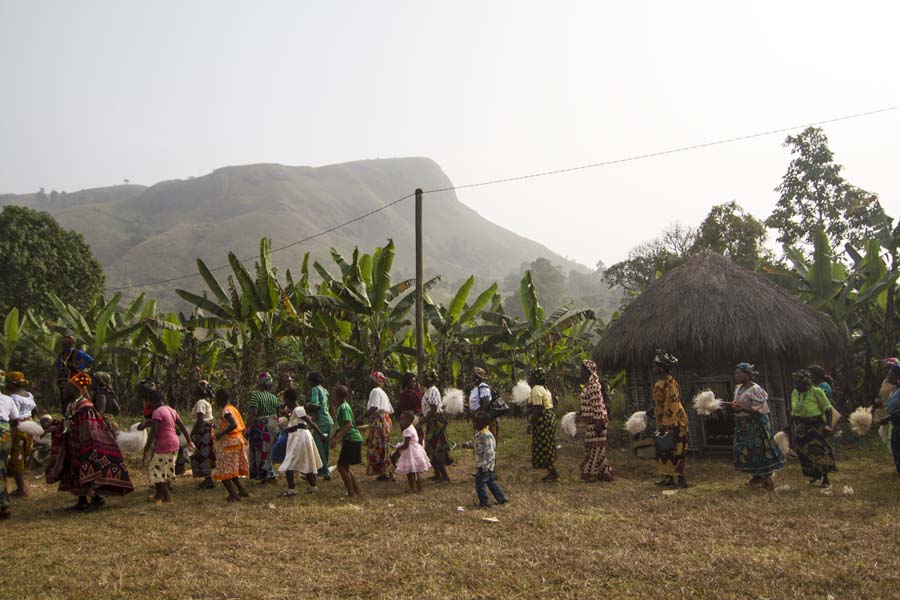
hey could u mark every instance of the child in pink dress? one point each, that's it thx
(413, 458)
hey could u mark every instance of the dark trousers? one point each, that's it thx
(485, 479)
(895, 441)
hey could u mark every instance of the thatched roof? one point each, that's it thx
(712, 311)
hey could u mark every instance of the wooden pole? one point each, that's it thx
(420, 291)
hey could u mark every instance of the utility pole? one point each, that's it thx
(420, 290)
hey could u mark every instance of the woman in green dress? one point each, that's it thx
(318, 398)
(811, 414)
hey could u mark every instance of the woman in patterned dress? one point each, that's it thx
(203, 434)
(379, 411)
(594, 415)
(671, 418)
(542, 426)
(263, 428)
(435, 424)
(755, 450)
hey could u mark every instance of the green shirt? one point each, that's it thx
(344, 416)
(811, 403)
(265, 403)
(318, 396)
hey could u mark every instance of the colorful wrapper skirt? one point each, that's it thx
(19, 451)
(263, 434)
(231, 459)
(595, 466)
(378, 458)
(543, 441)
(436, 441)
(815, 453)
(671, 463)
(5, 444)
(203, 460)
(755, 451)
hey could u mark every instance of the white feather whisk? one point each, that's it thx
(636, 423)
(132, 441)
(520, 392)
(31, 428)
(861, 420)
(452, 402)
(567, 424)
(783, 442)
(706, 403)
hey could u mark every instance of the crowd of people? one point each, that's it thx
(80, 451)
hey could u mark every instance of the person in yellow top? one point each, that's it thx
(671, 423)
(811, 420)
(542, 425)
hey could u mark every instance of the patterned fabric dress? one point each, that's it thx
(670, 416)
(755, 451)
(19, 451)
(595, 466)
(231, 450)
(436, 430)
(543, 434)
(263, 433)
(203, 460)
(85, 456)
(815, 453)
(378, 452)
(5, 444)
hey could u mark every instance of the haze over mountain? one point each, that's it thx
(143, 234)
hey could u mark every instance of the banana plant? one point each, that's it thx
(14, 329)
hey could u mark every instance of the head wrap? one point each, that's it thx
(538, 374)
(265, 378)
(891, 361)
(746, 368)
(2, 377)
(377, 377)
(48, 417)
(102, 378)
(17, 378)
(664, 359)
(591, 367)
(895, 369)
(431, 375)
(81, 380)
(802, 376)
(203, 389)
(480, 373)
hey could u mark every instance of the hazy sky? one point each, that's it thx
(96, 92)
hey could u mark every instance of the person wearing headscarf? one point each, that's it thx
(263, 429)
(811, 414)
(9, 418)
(102, 394)
(595, 418)
(378, 412)
(203, 434)
(20, 450)
(822, 380)
(70, 361)
(435, 424)
(755, 451)
(542, 425)
(671, 419)
(85, 458)
(892, 405)
(320, 411)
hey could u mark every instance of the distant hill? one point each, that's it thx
(141, 234)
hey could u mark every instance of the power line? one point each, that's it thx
(524, 177)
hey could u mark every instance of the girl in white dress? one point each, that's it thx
(301, 453)
(413, 458)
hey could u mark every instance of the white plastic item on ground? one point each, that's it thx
(490, 519)
(567, 424)
(706, 403)
(848, 490)
(783, 442)
(452, 402)
(781, 489)
(861, 420)
(520, 392)
(636, 423)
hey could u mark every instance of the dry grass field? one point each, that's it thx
(624, 539)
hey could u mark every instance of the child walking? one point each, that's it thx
(164, 439)
(486, 461)
(301, 453)
(413, 458)
(349, 436)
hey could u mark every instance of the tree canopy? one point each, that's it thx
(38, 257)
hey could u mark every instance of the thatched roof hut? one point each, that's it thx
(712, 314)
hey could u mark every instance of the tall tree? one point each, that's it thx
(39, 258)
(813, 192)
(548, 278)
(648, 261)
(731, 231)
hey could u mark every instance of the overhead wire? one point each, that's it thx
(527, 176)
